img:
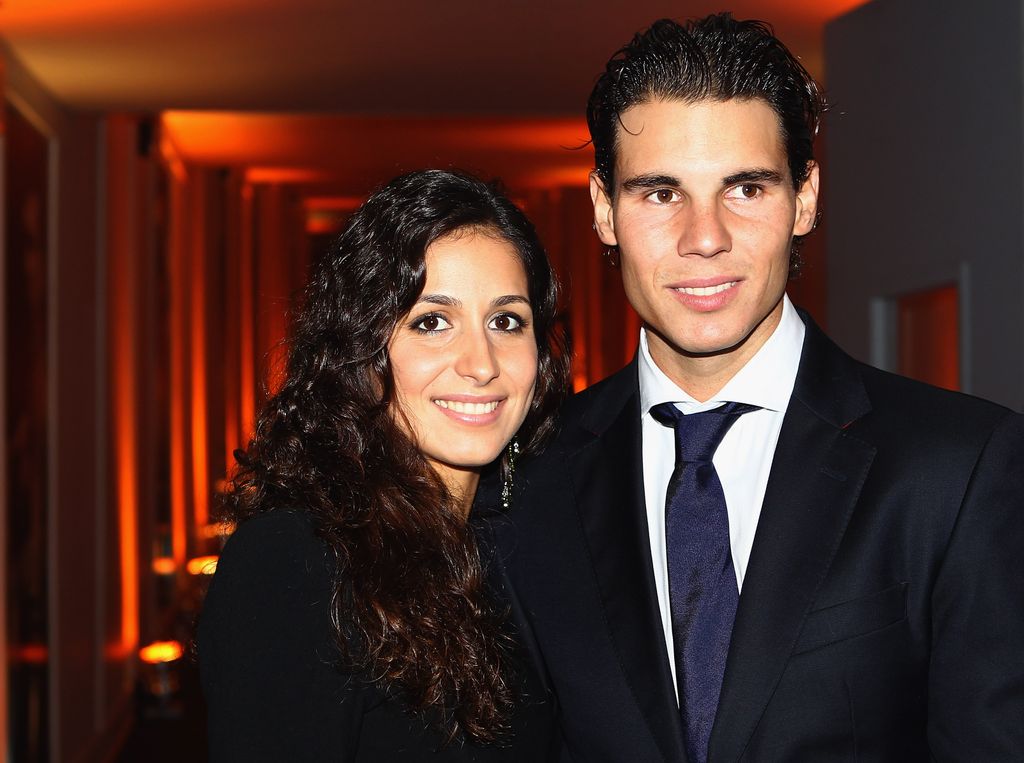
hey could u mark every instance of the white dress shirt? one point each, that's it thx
(744, 457)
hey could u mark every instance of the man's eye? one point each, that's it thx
(746, 191)
(507, 322)
(664, 196)
(430, 324)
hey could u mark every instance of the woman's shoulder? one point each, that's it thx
(282, 534)
(274, 572)
(269, 661)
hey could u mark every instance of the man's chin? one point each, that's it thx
(707, 346)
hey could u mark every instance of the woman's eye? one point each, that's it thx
(506, 322)
(430, 324)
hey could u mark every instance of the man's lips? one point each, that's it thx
(705, 291)
(707, 294)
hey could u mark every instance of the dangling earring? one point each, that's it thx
(506, 487)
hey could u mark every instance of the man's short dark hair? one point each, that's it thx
(717, 58)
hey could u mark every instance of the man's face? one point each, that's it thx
(704, 213)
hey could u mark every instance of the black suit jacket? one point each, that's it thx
(882, 613)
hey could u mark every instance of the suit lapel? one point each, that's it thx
(606, 470)
(816, 478)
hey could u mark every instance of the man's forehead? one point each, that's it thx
(697, 103)
(735, 134)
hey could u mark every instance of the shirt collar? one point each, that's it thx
(766, 380)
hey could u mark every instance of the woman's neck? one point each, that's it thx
(461, 483)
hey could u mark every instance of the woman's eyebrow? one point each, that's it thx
(444, 299)
(511, 299)
(439, 299)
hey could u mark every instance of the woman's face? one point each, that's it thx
(464, 359)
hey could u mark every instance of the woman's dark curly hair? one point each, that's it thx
(410, 608)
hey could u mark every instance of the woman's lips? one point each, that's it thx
(459, 406)
(469, 410)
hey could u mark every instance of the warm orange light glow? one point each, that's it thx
(274, 282)
(172, 158)
(217, 530)
(235, 241)
(273, 140)
(115, 651)
(4, 631)
(123, 313)
(579, 378)
(164, 565)
(256, 175)
(54, 15)
(31, 654)
(929, 336)
(161, 651)
(332, 203)
(324, 214)
(561, 177)
(343, 152)
(247, 320)
(197, 292)
(322, 223)
(202, 565)
(177, 262)
(127, 501)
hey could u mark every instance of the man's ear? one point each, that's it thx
(604, 217)
(807, 202)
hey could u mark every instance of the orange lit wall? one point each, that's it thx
(929, 336)
(123, 311)
(273, 284)
(197, 294)
(3, 451)
(227, 315)
(177, 319)
(246, 388)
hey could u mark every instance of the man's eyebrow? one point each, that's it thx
(649, 182)
(653, 181)
(772, 177)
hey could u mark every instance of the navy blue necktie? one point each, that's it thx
(701, 580)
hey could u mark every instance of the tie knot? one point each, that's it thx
(699, 434)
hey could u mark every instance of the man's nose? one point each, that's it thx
(705, 232)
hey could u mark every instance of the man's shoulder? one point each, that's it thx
(887, 405)
(611, 391)
(582, 417)
(890, 391)
(941, 425)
